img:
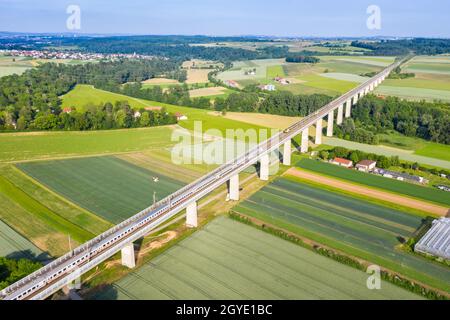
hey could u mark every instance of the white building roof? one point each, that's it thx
(436, 241)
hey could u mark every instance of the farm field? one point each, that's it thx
(414, 93)
(400, 187)
(320, 82)
(44, 228)
(210, 92)
(229, 260)
(107, 186)
(260, 119)
(14, 245)
(407, 155)
(371, 194)
(354, 226)
(431, 81)
(8, 66)
(435, 150)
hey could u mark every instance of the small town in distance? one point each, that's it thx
(165, 161)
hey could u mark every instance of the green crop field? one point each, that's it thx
(14, 245)
(409, 189)
(110, 187)
(435, 150)
(360, 228)
(43, 227)
(42, 145)
(414, 93)
(317, 81)
(229, 260)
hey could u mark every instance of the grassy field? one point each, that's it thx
(435, 150)
(82, 95)
(275, 71)
(318, 81)
(45, 145)
(229, 260)
(405, 188)
(357, 227)
(14, 245)
(107, 186)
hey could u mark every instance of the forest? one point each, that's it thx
(426, 120)
(418, 46)
(12, 270)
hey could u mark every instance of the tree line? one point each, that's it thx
(98, 117)
(302, 59)
(279, 102)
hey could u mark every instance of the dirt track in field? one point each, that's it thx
(369, 192)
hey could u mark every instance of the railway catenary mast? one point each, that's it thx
(57, 274)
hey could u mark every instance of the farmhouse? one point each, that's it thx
(342, 162)
(436, 242)
(67, 110)
(153, 108)
(137, 114)
(180, 116)
(400, 176)
(231, 83)
(366, 165)
(267, 87)
(282, 81)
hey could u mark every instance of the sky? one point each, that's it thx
(319, 18)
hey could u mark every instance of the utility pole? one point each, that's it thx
(154, 197)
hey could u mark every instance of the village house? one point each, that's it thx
(153, 108)
(180, 116)
(67, 110)
(366, 165)
(342, 162)
(267, 87)
(232, 83)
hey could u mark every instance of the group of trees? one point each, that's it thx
(98, 117)
(349, 131)
(426, 120)
(397, 74)
(31, 100)
(302, 59)
(12, 270)
(357, 156)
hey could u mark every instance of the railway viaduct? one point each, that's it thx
(66, 269)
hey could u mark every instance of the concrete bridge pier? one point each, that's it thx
(305, 141)
(319, 131)
(287, 151)
(191, 215)
(340, 115)
(264, 167)
(330, 124)
(348, 108)
(128, 259)
(233, 188)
